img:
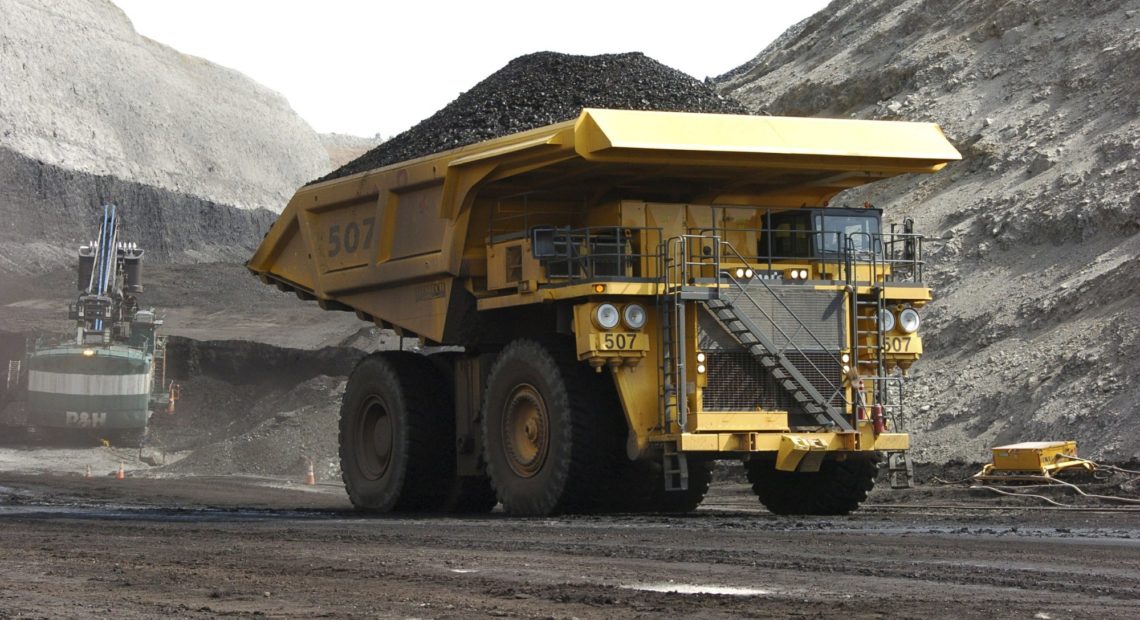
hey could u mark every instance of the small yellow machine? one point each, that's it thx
(625, 297)
(1037, 458)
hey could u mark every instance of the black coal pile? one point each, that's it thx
(541, 89)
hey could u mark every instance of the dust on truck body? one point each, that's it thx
(635, 295)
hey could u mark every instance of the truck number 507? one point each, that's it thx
(619, 341)
(351, 237)
(896, 344)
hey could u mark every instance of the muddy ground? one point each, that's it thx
(219, 522)
(208, 547)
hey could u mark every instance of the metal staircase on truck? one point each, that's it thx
(735, 302)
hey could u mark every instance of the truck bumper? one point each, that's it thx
(794, 451)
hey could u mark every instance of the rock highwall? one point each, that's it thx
(46, 212)
(81, 90)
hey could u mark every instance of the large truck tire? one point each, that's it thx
(546, 447)
(640, 488)
(396, 425)
(700, 477)
(836, 489)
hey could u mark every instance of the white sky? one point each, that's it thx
(366, 67)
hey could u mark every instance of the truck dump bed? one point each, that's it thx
(406, 245)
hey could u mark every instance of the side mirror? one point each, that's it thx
(542, 242)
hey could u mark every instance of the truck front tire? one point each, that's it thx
(836, 489)
(545, 447)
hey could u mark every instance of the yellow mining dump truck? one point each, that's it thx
(617, 301)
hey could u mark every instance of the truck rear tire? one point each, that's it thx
(546, 448)
(836, 489)
(396, 419)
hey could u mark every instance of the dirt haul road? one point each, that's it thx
(208, 547)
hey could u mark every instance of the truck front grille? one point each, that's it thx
(737, 381)
(808, 326)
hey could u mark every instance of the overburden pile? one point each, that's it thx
(540, 89)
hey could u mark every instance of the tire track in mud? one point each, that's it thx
(971, 557)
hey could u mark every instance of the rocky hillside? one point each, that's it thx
(92, 112)
(1035, 330)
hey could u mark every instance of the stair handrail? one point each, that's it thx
(892, 411)
(674, 276)
(681, 267)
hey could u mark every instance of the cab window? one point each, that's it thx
(786, 235)
(837, 228)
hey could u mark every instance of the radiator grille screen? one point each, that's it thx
(737, 382)
(736, 379)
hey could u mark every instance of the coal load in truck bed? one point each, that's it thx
(540, 89)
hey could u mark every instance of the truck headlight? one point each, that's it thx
(886, 320)
(909, 321)
(606, 316)
(633, 315)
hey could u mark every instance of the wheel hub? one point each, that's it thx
(374, 452)
(526, 431)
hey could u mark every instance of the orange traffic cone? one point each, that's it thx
(311, 477)
(87, 474)
(120, 475)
